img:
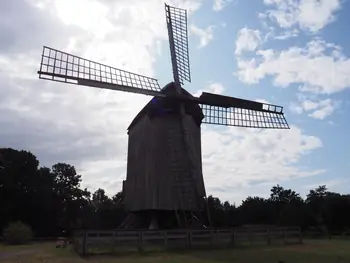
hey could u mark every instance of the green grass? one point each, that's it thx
(37, 252)
(312, 251)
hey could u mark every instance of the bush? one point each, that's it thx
(17, 233)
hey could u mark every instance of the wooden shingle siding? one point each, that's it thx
(160, 175)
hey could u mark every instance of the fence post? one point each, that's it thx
(84, 243)
(233, 237)
(268, 236)
(283, 229)
(250, 236)
(165, 239)
(140, 241)
(189, 237)
(113, 242)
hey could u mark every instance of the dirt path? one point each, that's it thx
(5, 255)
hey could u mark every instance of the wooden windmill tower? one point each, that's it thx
(164, 170)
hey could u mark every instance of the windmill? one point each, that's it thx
(164, 178)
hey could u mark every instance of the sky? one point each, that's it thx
(293, 53)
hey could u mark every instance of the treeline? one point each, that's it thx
(51, 200)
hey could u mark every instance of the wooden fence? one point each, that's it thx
(97, 242)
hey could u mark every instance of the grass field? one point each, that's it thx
(312, 251)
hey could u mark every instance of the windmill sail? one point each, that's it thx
(63, 67)
(176, 19)
(229, 111)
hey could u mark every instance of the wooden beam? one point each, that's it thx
(103, 85)
(98, 84)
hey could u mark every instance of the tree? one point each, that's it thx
(17, 233)
(317, 194)
(71, 198)
(256, 210)
(19, 183)
(49, 200)
(281, 195)
(288, 206)
(216, 211)
(330, 211)
(99, 198)
(118, 198)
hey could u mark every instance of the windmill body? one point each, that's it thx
(160, 176)
(159, 173)
(164, 166)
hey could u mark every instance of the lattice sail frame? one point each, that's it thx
(64, 67)
(176, 19)
(239, 117)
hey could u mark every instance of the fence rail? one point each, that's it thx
(97, 242)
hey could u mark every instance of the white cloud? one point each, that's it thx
(65, 123)
(220, 4)
(316, 109)
(320, 67)
(205, 35)
(216, 88)
(86, 127)
(263, 101)
(310, 15)
(287, 34)
(296, 108)
(324, 109)
(329, 184)
(311, 105)
(237, 157)
(247, 40)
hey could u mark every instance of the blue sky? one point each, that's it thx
(216, 62)
(236, 49)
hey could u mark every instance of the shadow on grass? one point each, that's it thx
(326, 251)
(308, 252)
(37, 252)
